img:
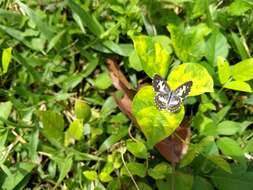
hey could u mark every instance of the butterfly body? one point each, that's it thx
(166, 98)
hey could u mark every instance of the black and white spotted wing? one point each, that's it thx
(167, 99)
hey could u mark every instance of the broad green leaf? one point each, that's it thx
(108, 107)
(229, 147)
(74, 132)
(223, 128)
(134, 168)
(189, 43)
(160, 171)
(220, 162)
(121, 49)
(238, 85)
(87, 19)
(234, 181)
(243, 71)
(135, 62)
(6, 59)
(21, 171)
(53, 125)
(90, 175)
(238, 7)
(155, 124)
(5, 110)
(103, 81)
(82, 110)
(202, 81)
(217, 45)
(201, 183)
(180, 181)
(223, 70)
(138, 149)
(154, 53)
(199, 8)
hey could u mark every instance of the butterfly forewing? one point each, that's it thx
(160, 85)
(184, 89)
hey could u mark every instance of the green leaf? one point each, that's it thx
(53, 125)
(74, 132)
(135, 169)
(112, 139)
(217, 45)
(21, 171)
(223, 128)
(154, 53)
(138, 149)
(201, 183)
(90, 175)
(135, 62)
(243, 71)
(223, 70)
(238, 85)
(42, 26)
(87, 19)
(155, 124)
(236, 180)
(202, 81)
(240, 46)
(189, 43)
(6, 59)
(219, 161)
(82, 110)
(5, 110)
(239, 7)
(160, 171)
(229, 147)
(55, 40)
(180, 181)
(103, 81)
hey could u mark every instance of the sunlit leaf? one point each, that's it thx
(223, 70)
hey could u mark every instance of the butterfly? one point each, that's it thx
(166, 98)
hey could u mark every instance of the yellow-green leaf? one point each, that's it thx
(82, 110)
(243, 70)
(238, 85)
(219, 161)
(74, 132)
(202, 81)
(155, 124)
(223, 70)
(6, 58)
(90, 175)
(154, 53)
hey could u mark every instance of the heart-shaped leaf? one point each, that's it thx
(201, 79)
(154, 54)
(155, 124)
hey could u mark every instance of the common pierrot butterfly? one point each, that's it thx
(166, 98)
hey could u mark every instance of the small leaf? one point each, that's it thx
(219, 161)
(238, 85)
(243, 71)
(6, 58)
(82, 110)
(74, 132)
(138, 149)
(90, 175)
(229, 147)
(53, 125)
(223, 128)
(160, 171)
(217, 45)
(135, 169)
(154, 53)
(201, 80)
(238, 7)
(103, 81)
(135, 62)
(223, 70)
(5, 110)
(156, 125)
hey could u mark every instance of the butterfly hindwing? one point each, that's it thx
(161, 101)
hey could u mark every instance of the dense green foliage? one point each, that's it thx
(69, 119)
